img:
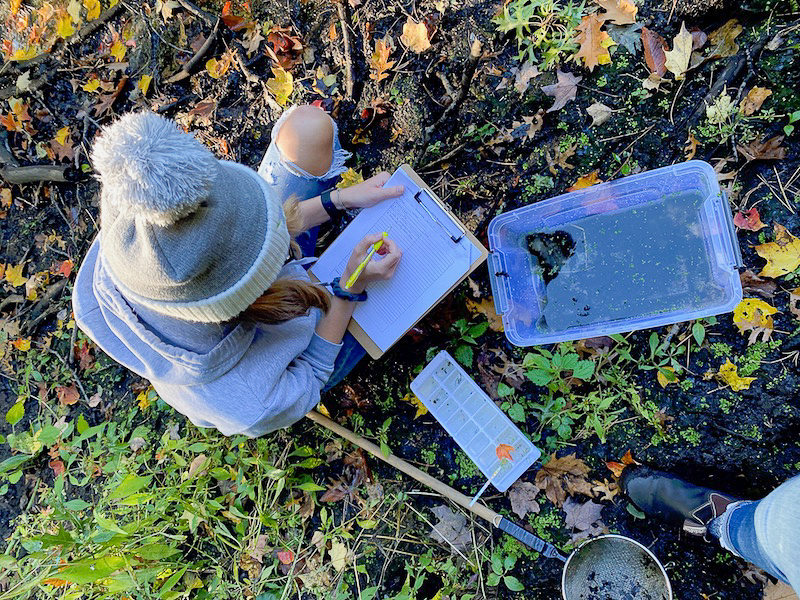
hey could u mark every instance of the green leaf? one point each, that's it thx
(513, 583)
(570, 361)
(310, 486)
(155, 551)
(478, 330)
(367, 593)
(584, 370)
(497, 564)
(516, 413)
(653, 341)
(464, 354)
(310, 463)
(108, 524)
(539, 377)
(699, 333)
(15, 413)
(788, 129)
(62, 538)
(14, 462)
(509, 562)
(130, 485)
(91, 570)
(493, 580)
(48, 435)
(385, 450)
(77, 504)
(170, 583)
(617, 338)
(302, 451)
(82, 425)
(504, 390)
(635, 512)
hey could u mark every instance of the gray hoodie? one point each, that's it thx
(238, 377)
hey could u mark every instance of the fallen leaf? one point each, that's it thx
(753, 284)
(339, 555)
(677, 59)
(722, 40)
(13, 275)
(523, 75)
(690, 149)
(626, 461)
(605, 490)
(619, 12)
(415, 36)
(782, 255)
(83, 352)
(599, 112)
(585, 181)
(794, 302)
(57, 466)
(252, 38)
(628, 36)
(64, 27)
(68, 395)
(581, 516)
(232, 21)
(563, 476)
(729, 373)
(284, 48)
(379, 62)
(663, 380)
(93, 9)
(503, 452)
(196, 467)
(560, 158)
(217, 68)
(349, 178)
(285, 556)
(699, 38)
(523, 498)
(118, 50)
(337, 490)
(203, 109)
(412, 399)
(451, 528)
(107, 100)
(768, 150)
(654, 51)
(778, 591)
(749, 220)
(594, 42)
(485, 307)
(74, 11)
(23, 344)
(530, 125)
(144, 84)
(281, 85)
(137, 443)
(755, 316)
(564, 90)
(754, 99)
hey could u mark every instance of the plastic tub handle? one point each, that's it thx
(498, 276)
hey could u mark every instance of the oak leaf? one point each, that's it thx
(754, 99)
(563, 476)
(281, 85)
(585, 181)
(560, 158)
(770, 149)
(729, 373)
(379, 62)
(564, 90)
(415, 36)
(529, 126)
(486, 308)
(605, 489)
(252, 38)
(755, 316)
(594, 43)
(782, 255)
(582, 516)
(749, 220)
(677, 59)
(523, 498)
(451, 527)
(619, 12)
(722, 40)
(690, 149)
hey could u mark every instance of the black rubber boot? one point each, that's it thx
(668, 497)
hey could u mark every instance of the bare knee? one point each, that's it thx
(306, 139)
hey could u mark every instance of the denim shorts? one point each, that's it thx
(289, 180)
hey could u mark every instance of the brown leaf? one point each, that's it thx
(599, 112)
(83, 352)
(560, 475)
(283, 47)
(654, 51)
(699, 38)
(564, 90)
(196, 466)
(57, 466)
(523, 75)
(605, 489)
(415, 36)
(594, 42)
(691, 147)
(68, 395)
(778, 591)
(336, 491)
(532, 124)
(379, 62)
(451, 528)
(768, 150)
(582, 516)
(485, 307)
(203, 109)
(523, 498)
(560, 159)
(722, 40)
(753, 284)
(749, 220)
(619, 12)
(107, 100)
(754, 99)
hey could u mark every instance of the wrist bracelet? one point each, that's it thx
(344, 294)
(328, 205)
(337, 202)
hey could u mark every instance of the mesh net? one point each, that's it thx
(614, 568)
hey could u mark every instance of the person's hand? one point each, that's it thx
(382, 265)
(369, 192)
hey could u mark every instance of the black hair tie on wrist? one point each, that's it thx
(328, 204)
(344, 294)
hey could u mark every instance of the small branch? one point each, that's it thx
(344, 20)
(19, 175)
(186, 71)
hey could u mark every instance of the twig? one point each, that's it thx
(344, 20)
(186, 71)
(19, 175)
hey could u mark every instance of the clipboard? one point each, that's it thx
(454, 228)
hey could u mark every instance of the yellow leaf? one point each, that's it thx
(61, 135)
(64, 27)
(486, 308)
(14, 275)
(118, 50)
(755, 316)
(415, 36)
(753, 101)
(349, 178)
(143, 399)
(729, 373)
(585, 181)
(794, 302)
(91, 86)
(15, 4)
(26, 53)
(22, 344)
(323, 411)
(677, 61)
(782, 255)
(144, 84)
(379, 61)
(281, 85)
(662, 379)
(5, 200)
(74, 10)
(92, 9)
(722, 40)
(412, 399)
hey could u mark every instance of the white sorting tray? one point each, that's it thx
(473, 420)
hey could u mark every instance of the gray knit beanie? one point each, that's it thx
(181, 232)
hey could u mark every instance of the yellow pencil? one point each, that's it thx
(375, 247)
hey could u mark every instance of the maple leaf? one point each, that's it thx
(594, 43)
(782, 255)
(749, 220)
(582, 516)
(654, 51)
(118, 50)
(754, 99)
(93, 9)
(379, 61)
(68, 395)
(523, 75)
(729, 373)
(486, 308)
(281, 85)
(503, 452)
(755, 316)
(412, 399)
(564, 90)
(415, 36)
(283, 47)
(599, 112)
(585, 181)
(677, 59)
(690, 149)
(722, 40)
(64, 268)
(563, 476)
(770, 149)
(619, 12)
(523, 498)
(13, 275)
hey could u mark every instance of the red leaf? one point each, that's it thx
(64, 267)
(749, 220)
(68, 395)
(654, 47)
(83, 352)
(233, 22)
(57, 466)
(286, 556)
(504, 451)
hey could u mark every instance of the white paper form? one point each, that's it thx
(431, 263)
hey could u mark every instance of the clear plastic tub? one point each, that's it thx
(642, 251)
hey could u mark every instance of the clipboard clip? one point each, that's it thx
(455, 239)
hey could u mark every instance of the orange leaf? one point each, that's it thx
(379, 61)
(57, 466)
(585, 181)
(749, 220)
(286, 556)
(68, 395)
(594, 42)
(232, 21)
(628, 459)
(56, 582)
(503, 451)
(619, 12)
(64, 267)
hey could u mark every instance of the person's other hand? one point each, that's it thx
(382, 265)
(369, 192)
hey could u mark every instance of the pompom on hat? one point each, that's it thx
(183, 233)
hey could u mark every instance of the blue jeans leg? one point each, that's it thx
(349, 356)
(767, 532)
